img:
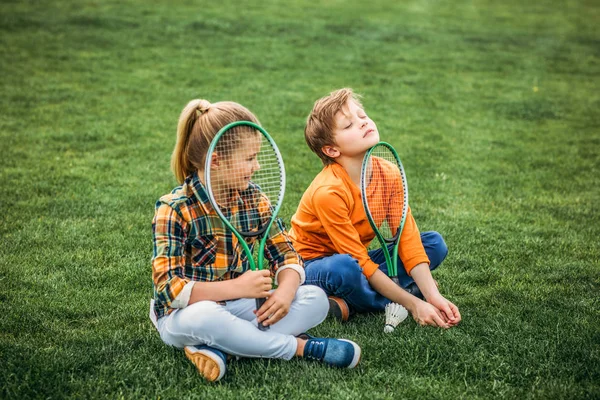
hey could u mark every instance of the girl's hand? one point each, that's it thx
(254, 284)
(276, 307)
(426, 314)
(448, 309)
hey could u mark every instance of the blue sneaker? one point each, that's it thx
(340, 353)
(210, 362)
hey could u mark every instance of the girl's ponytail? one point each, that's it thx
(198, 124)
(182, 164)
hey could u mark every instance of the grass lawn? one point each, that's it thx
(493, 107)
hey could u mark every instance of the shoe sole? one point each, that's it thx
(357, 353)
(339, 309)
(209, 365)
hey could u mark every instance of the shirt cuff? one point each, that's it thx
(295, 267)
(369, 268)
(183, 298)
(413, 263)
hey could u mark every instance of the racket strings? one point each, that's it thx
(385, 192)
(246, 179)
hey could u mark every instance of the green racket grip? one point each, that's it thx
(259, 303)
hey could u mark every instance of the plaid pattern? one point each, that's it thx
(191, 243)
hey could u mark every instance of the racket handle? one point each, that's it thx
(395, 279)
(259, 303)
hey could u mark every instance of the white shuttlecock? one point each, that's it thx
(394, 314)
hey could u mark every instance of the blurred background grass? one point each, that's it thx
(493, 107)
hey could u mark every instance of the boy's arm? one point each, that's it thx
(416, 264)
(411, 250)
(335, 218)
(422, 312)
(422, 276)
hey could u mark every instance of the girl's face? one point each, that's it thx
(241, 164)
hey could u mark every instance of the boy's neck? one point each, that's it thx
(353, 167)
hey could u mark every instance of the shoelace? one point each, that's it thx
(315, 349)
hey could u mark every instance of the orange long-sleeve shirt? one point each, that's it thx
(330, 219)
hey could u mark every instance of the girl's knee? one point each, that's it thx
(196, 317)
(311, 294)
(315, 298)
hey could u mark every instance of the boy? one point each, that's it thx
(331, 232)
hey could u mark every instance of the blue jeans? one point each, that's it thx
(340, 275)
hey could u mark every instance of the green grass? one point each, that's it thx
(493, 106)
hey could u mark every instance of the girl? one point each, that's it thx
(204, 293)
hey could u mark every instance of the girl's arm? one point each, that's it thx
(279, 302)
(288, 267)
(279, 251)
(251, 284)
(170, 233)
(289, 275)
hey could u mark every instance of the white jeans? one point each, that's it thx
(231, 327)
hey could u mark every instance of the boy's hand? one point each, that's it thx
(254, 284)
(276, 307)
(426, 314)
(448, 309)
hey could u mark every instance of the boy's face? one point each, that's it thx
(354, 132)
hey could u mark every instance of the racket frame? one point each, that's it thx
(240, 236)
(391, 262)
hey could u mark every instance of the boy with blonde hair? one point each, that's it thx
(331, 232)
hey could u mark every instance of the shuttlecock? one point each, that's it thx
(394, 314)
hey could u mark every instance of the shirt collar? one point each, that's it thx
(194, 182)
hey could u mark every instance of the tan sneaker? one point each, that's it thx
(210, 362)
(338, 308)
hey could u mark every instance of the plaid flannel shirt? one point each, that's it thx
(191, 243)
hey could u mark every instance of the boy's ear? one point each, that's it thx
(330, 151)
